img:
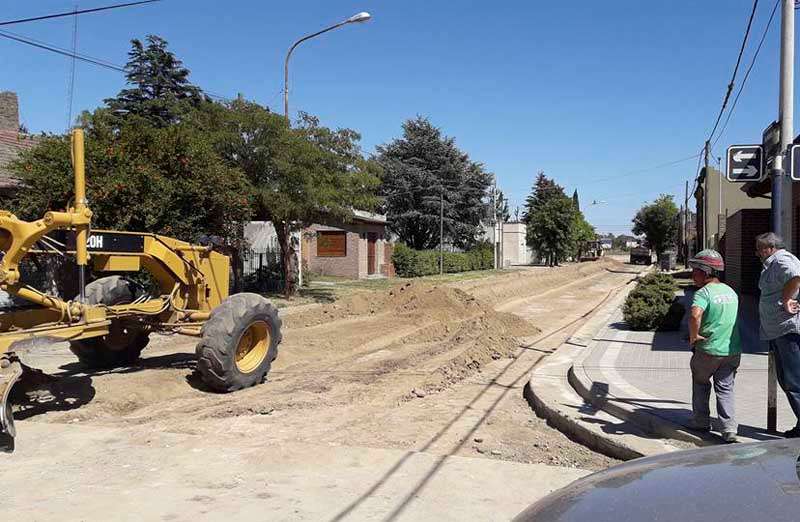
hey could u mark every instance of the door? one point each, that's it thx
(372, 240)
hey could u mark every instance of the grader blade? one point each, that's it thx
(10, 371)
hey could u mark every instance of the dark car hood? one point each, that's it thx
(757, 481)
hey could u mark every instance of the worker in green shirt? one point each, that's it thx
(715, 342)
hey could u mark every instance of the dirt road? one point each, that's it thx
(404, 403)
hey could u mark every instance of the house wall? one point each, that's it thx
(742, 267)
(733, 199)
(515, 251)
(355, 264)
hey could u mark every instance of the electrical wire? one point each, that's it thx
(749, 69)
(731, 84)
(63, 52)
(73, 13)
(82, 57)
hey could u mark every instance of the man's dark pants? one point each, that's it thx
(787, 366)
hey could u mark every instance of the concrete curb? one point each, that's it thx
(552, 397)
(623, 411)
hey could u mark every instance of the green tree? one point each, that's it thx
(160, 90)
(658, 221)
(550, 229)
(139, 178)
(544, 188)
(582, 231)
(501, 207)
(423, 171)
(299, 176)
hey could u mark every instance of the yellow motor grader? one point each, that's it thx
(109, 322)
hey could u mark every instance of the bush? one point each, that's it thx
(416, 263)
(652, 304)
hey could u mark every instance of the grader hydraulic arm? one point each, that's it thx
(109, 322)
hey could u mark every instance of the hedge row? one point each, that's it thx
(415, 263)
(652, 304)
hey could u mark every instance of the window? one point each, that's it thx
(331, 244)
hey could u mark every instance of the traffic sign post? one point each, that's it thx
(794, 163)
(745, 163)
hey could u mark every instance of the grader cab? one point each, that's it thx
(109, 322)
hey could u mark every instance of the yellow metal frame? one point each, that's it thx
(192, 279)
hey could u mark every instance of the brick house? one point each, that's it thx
(356, 250)
(12, 141)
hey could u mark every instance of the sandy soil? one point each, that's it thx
(429, 368)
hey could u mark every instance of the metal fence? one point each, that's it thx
(262, 270)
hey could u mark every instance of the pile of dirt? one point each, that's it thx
(522, 283)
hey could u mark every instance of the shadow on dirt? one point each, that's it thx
(38, 393)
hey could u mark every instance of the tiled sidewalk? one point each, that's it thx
(650, 371)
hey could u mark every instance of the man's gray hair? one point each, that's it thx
(770, 239)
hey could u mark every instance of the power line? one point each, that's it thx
(73, 13)
(71, 88)
(729, 90)
(58, 50)
(749, 68)
(82, 57)
(641, 171)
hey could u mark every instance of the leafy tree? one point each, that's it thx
(299, 176)
(160, 89)
(658, 221)
(501, 207)
(550, 229)
(544, 188)
(582, 231)
(423, 171)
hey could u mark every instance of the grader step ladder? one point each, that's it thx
(109, 323)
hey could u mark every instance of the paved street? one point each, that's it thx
(650, 370)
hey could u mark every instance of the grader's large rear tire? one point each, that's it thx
(240, 341)
(123, 344)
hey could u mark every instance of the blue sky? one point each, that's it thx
(585, 91)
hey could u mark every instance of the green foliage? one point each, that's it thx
(658, 221)
(139, 178)
(582, 232)
(652, 304)
(160, 89)
(424, 170)
(309, 174)
(551, 221)
(416, 263)
(501, 207)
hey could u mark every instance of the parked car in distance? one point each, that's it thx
(759, 481)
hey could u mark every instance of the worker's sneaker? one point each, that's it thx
(729, 437)
(698, 425)
(792, 433)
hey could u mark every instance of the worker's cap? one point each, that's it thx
(708, 260)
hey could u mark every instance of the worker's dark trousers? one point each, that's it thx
(787, 365)
(722, 370)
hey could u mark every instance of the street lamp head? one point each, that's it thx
(363, 16)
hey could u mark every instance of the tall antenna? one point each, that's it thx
(71, 87)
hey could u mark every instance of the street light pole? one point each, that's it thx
(356, 18)
(785, 112)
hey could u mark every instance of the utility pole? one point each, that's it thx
(705, 195)
(686, 226)
(494, 220)
(785, 112)
(441, 232)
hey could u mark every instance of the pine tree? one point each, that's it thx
(161, 92)
(423, 170)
